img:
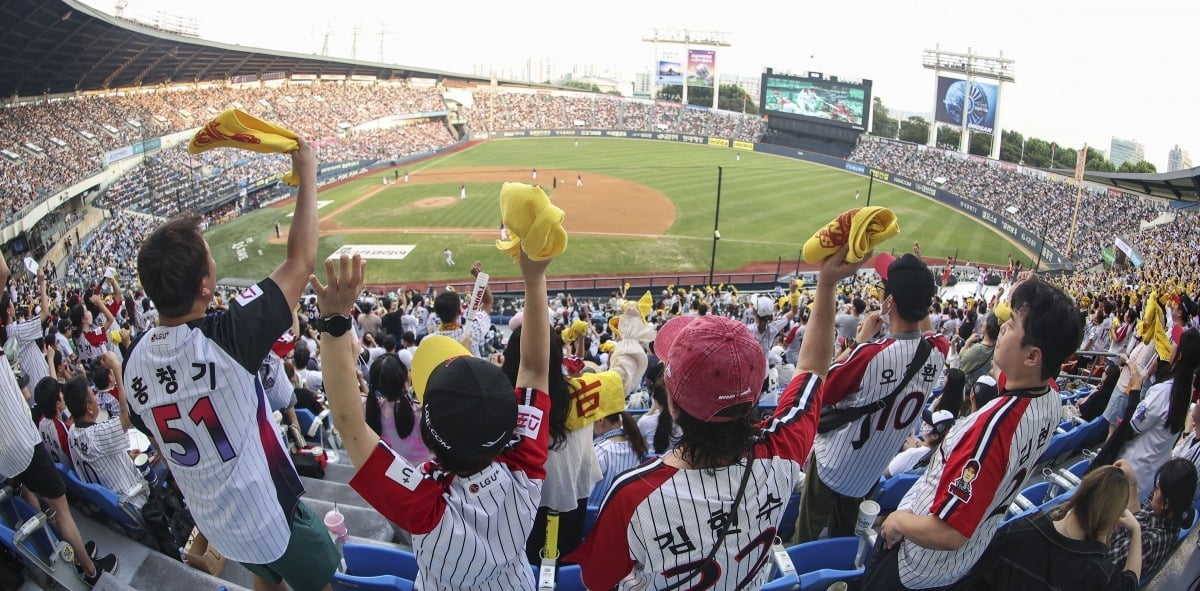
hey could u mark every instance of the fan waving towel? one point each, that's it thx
(534, 224)
(237, 129)
(863, 228)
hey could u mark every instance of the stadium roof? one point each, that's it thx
(62, 46)
(1181, 185)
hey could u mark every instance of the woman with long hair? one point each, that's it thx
(619, 446)
(657, 426)
(952, 396)
(90, 339)
(1158, 420)
(392, 412)
(1066, 549)
(1093, 404)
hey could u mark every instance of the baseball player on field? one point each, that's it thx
(848, 460)
(947, 519)
(470, 509)
(192, 384)
(705, 515)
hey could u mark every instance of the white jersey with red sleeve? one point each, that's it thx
(54, 435)
(658, 523)
(468, 533)
(851, 458)
(975, 474)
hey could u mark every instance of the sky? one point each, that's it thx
(1084, 72)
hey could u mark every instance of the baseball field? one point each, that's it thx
(632, 206)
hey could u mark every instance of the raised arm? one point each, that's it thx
(98, 302)
(817, 349)
(338, 367)
(3, 273)
(292, 274)
(535, 332)
(45, 300)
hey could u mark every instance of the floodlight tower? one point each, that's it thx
(688, 39)
(972, 66)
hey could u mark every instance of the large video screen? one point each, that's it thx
(978, 103)
(813, 97)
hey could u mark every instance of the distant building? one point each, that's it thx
(1178, 159)
(1122, 151)
(751, 84)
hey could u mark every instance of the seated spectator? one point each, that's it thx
(619, 447)
(916, 453)
(657, 426)
(100, 450)
(1066, 549)
(1160, 516)
(951, 399)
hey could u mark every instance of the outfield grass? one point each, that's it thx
(769, 206)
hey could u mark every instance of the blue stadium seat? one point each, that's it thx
(570, 578)
(590, 519)
(893, 490)
(787, 523)
(110, 505)
(376, 568)
(788, 583)
(820, 563)
(1060, 445)
(306, 418)
(1089, 434)
(1080, 467)
(42, 550)
(1036, 493)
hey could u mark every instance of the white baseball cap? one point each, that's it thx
(764, 306)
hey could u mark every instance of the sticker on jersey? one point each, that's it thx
(162, 337)
(405, 474)
(529, 420)
(248, 295)
(484, 480)
(961, 488)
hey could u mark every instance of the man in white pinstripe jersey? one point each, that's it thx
(847, 461)
(705, 515)
(192, 384)
(947, 519)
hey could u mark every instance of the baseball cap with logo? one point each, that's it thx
(468, 404)
(711, 363)
(940, 420)
(908, 280)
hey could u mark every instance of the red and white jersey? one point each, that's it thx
(850, 459)
(468, 533)
(275, 382)
(18, 436)
(195, 389)
(658, 523)
(54, 435)
(978, 470)
(91, 344)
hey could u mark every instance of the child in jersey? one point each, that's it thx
(706, 513)
(471, 508)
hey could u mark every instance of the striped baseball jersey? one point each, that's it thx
(851, 458)
(659, 523)
(100, 451)
(91, 344)
(18, 436)
(978, 470)
(195, 388)
(275, 382)
(615, 457)
(468, 532)
(54, 435)
(32, 360)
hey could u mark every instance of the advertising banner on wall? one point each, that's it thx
(977, 103)
(701, 65)
(670, 66)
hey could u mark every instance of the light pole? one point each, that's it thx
(712, 263)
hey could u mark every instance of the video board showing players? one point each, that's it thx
(817, 98)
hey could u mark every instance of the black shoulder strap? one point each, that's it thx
(833, 418)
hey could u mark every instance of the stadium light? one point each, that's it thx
(716, 232)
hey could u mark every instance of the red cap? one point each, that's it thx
(883, 260)
(710, 364)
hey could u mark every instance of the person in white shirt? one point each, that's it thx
(916, 452)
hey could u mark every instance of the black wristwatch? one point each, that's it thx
(334, 326)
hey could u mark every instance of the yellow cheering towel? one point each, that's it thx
(1153, 329)
(594, 396)
(863, 228)
(534, 224)
(577, 329)
(237, 129)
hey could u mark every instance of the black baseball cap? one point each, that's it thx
(469, 405)
(908, 280)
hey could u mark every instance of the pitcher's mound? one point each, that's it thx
(431, 202)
